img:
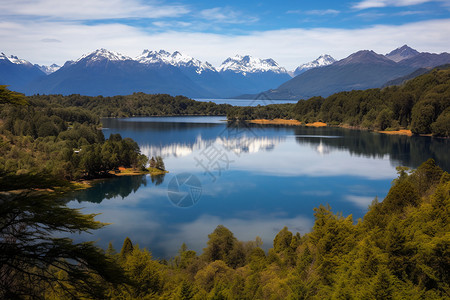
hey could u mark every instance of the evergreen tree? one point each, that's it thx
(282, 240)
(220, 244)
(111, 251)
(152, 162)
(186, 292)
(160, 163)
(127, 247)
(30, 253)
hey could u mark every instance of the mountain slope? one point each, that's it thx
(108, 73)
(427, 60)
(402, 53)
(17, 72)
(246, 74)
(361, 70)
(321, 61)
(48, 69)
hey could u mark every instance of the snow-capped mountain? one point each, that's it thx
(404, 52)
(14, 59)
(246, 74)
(321, 61)
(17, 72)
(176, 59)
(48, 69)
(109, 73)
(248, 64)
(103, 54)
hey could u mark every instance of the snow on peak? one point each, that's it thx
(248, 64)
(102, 54)
(48, 69)
(14, 59)
(321, 61)
(176, 59)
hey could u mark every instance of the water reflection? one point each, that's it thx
(278, 175)
(402, 150)
(238, 145)
(110, 188)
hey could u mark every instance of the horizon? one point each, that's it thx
(50, 31)
(8, 55)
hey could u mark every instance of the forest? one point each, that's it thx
(42, 145)
(137, 104)
(398, 250)
(421, 105)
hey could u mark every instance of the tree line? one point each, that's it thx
(421, 105)
(398, 250)
(137, 104)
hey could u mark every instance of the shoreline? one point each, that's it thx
(82, 184)
(88, 183)
(406, 132)
(291, 122)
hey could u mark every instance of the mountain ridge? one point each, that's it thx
(364, 69)
(176, 73)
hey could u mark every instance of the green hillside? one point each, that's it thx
(421, 105)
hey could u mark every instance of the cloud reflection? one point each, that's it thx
(195, 233)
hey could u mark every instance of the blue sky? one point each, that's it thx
(291, 32)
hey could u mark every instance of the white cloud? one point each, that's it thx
(322, 12)
(225, 15)
(316, 12)
(384, 3)
(289, 47)
(89, 9)
(195, 233)
(361, 201)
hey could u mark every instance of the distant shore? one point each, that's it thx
(291, 122)
(286, 122)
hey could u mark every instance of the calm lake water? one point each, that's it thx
(254, 180)
(247, 102)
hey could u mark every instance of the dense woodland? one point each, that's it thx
(137, 104)
(40, 143)
(421, 105)
(399, 250)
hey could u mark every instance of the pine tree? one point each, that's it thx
(160, 163)
(127, 247)
(152, 162)
(111, 251)
(29, 250)
(186, 292)
(282, 240)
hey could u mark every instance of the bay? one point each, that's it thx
(252, 179)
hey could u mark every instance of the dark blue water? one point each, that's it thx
(254, 180)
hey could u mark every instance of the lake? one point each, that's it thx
(252, 179)
(247, 102)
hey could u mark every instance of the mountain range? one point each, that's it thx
(361, 70)
(109, 73)
(17, 73)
